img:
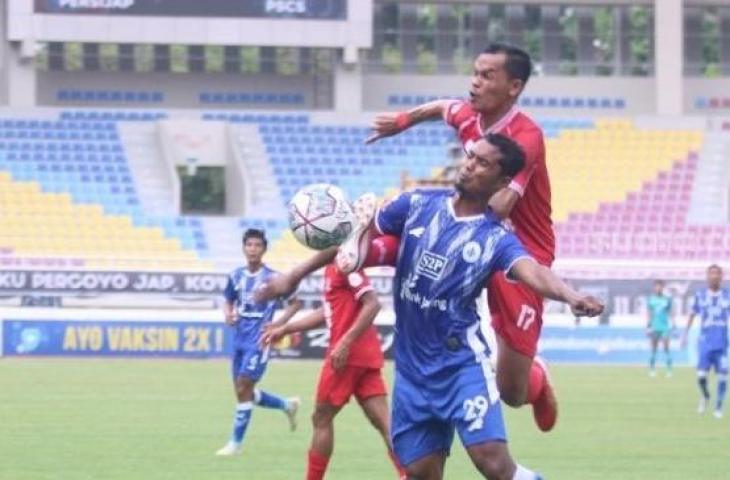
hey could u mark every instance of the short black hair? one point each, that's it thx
(518, 63)
(512, 158)
(255, 233)
(659, 281)
(714, 266)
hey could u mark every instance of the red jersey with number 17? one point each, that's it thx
(342, 293)
(531, 215)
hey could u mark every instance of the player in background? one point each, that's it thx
(712, 306)
(451, 245)
(500, 75)
(248, 318)
(660, 325)
(352, 366)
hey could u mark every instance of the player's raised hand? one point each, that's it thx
(339, 355)
(279, 286)
(587, 306)
(271, 335)
(384, 125)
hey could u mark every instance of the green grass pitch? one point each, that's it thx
(72, 419)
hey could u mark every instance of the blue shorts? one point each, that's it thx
(716, 359)
(249, 362)
(425, 414)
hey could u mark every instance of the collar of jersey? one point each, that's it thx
(499, 124)
(249, 274)
(470, 218)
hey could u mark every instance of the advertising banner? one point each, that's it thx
(193, 339)
(296, 9)
(196, 339)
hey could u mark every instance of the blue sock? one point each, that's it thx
(669, 360)
(241, 421)
(702, 381)
(721, 391)
(652, 360)
(268, 400)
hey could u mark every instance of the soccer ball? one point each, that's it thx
(320, 216)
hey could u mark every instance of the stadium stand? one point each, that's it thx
(255, 98)
(80, 156)
(110, 96)
(644, 188)
(534, 101)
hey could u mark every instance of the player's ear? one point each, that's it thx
(515, 87)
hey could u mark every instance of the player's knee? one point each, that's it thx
(244, 389)
(496, 467)
(321, 418)
(512, 394)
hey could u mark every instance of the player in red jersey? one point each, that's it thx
(353, 363)
(500, 75)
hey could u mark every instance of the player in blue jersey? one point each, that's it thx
(712, 306)
(451, 243)
(249, 318)
(659, 326)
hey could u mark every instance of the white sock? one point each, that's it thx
(524, 474)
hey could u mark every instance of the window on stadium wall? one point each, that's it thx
(706, 40)
(427, 38)
(74, 56)
(203, 190)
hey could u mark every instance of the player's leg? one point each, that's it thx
(333, 392)
(703, 366)
(323, 438)
(475, 409)
(720, 364)
(421, 441)
(371, 393)
(666, 339)
(653, 343)
(516, 313)
(254, 366)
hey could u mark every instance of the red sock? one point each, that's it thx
(316, 465)
(536, 383)
(401, 471)
(383, 251)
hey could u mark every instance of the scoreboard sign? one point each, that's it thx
(293, 9)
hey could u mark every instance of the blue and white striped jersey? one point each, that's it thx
(713, 308)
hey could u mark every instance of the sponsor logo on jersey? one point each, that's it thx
(431, 265)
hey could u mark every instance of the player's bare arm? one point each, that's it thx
(543, 281)
(293, 305)
(229, 313)
(370, 308)
(273, 333)
(284, 284)
(503, 202)
(392, 123)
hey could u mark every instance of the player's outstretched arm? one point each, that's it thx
(273, 333)
(285, 284)
(293, 305)
(546, 284)
(392, 123)
(370, 306)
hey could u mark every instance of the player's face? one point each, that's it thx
(658, 288)
(491, 87)
(480, 174)
(254, 250)
(714, 278)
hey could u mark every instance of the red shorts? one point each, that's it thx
(516, 313)
(336, 388)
